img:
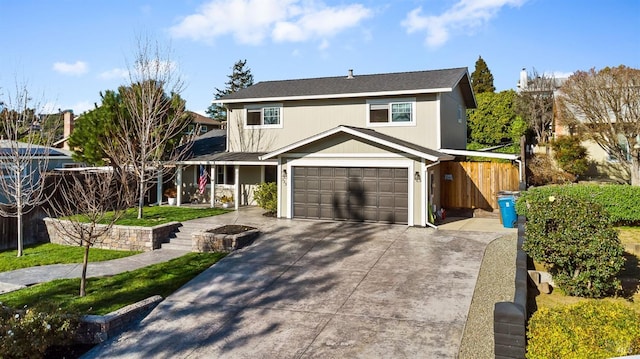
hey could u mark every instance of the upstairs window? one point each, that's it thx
(267, 116)
(396, 112)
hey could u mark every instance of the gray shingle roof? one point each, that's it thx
(342, 86)
(214, 141)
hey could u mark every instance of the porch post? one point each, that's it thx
(424, 195)
(179, 184)
(237, 186)
(212, 175)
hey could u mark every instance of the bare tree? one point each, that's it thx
(535, 104)
(90, 202)
(22, 160)
(605, 105)
(149, 127)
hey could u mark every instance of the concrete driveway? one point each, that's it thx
(313, 289)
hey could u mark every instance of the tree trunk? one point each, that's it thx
(85, 262)
(20, 234)
(141, 186)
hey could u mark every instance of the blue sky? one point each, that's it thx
(67, 51)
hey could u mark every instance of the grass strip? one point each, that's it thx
(49, 253)
(107, 294)
(156, 215)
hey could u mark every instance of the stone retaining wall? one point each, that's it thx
(130, 238)
(96, 329)
(510, 318)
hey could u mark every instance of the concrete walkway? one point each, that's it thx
(314, 289)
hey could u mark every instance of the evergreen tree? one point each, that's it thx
(495, 120)
(481, 78)
(240, 78)
(95, 130)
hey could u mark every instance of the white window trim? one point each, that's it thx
(411, 100)
(261, 108)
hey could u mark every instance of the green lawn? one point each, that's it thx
(153, 216)
(107, 294)
(48, 253)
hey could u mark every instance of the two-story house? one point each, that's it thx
(354, 147)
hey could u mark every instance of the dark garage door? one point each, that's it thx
(351, 193)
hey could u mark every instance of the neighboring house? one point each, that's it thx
(202, 123)
(604, 164)
(35, 161)
(355, 147)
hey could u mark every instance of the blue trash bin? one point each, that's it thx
(508, 214)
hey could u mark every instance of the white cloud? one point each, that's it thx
(76, 69)
(465, 15)
(252, 21)
(116, 73)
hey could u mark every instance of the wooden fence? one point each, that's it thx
(33, 229)
(476, 184)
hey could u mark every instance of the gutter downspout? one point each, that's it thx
(520, 171)
(428, 183)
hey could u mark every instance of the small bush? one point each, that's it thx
(570, 155)
(621, 202)
(29, 333)
(591, 329)
(575, 239)
(266, 195)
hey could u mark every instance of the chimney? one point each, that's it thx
(67, 115)
(524, 79)
(350, 75)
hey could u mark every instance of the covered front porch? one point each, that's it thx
(225, 179)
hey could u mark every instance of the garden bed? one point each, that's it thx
(224, 239)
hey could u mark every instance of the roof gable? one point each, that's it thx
(400, 83)
(370, 135)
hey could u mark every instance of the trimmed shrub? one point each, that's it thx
(570, 155)
(266, 195)
(621, 202)
(29, 333)
(591, 329)
(574, 238)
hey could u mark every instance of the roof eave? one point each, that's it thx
(334, 96)
(503, 156)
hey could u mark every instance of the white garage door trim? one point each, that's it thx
(408, 164)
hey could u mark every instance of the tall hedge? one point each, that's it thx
(621, 202)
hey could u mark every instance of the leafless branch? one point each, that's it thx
(22, 160)
(90, 202)
(153, 118)
(605, 106)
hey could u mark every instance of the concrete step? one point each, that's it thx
(178, 244)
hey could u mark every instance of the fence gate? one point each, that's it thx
(476, 184)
